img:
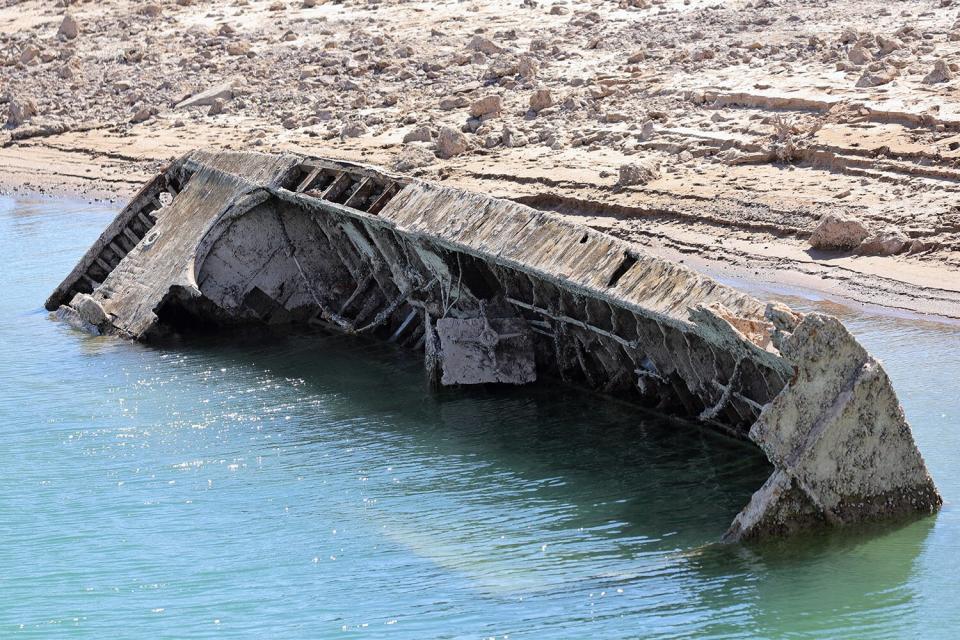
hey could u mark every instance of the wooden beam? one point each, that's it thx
(118, 244)
(90, 281)
(385, 197)
(103, 264)
(360, 194)
(339, 184)
(308, 180)
(131, 236)
(147, 221)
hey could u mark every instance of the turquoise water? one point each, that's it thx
(312, 487)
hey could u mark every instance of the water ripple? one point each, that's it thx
(314, 487)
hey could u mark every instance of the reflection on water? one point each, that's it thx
(313, 486)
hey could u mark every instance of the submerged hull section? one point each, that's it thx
(493, 291)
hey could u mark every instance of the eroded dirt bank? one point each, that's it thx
(741, 124)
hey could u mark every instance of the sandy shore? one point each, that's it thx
(746, 122)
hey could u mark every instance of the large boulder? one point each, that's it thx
(450, 143)
(638, 173)
(21, 110)
(69, 29)
(885, 243)
(540, 100)
(838, 231)
(941, 73)
(486, 106)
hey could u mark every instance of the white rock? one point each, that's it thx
(513, 138)
(488, 105)
(527, 67)
(206, 98)
(450, 143)
(21, 110)
(886, 243)
(646, 131)
(414, 156)
(239, 48)
(878, 74)
(353, 130)
(838, 231)
(638, 172)
(419, 134)
(859, 55)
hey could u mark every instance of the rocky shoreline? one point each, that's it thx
(776, 142)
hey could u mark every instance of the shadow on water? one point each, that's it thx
(633, 472)
(668, 476)
(659, 491)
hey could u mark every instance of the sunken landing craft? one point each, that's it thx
(492, 291)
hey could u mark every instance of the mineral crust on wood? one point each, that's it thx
(493, 291)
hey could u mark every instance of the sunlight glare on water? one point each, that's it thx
(313, 487)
